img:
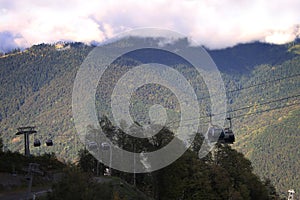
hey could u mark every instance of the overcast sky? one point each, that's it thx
(213, 23)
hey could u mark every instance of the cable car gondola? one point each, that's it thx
(218, 134)
(36, 143)
(49, 142)
(92, 145)
(105, 146)
(226, 136)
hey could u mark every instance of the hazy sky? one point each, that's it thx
(213, 23)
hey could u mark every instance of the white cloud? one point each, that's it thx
(213, 23)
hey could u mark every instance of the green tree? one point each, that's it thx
(271, 190)
(88, 163)
(1, 145)
(244, 181)
(223, 174)
(77, 185)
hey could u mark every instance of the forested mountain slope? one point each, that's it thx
(262, 84)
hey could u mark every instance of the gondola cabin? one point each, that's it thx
(36, 143)
(220, 135)
(92, 145)
(49, 142)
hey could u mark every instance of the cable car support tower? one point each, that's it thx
(26, 131)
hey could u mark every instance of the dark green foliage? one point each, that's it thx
(226, 174)
(86, 161)
(223, 174)
(15, 162)
(240, 169)
(1, 144)
(89, 164)
(76, 185)
(225, 178)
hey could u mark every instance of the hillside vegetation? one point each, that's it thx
(224, 174)
(262, 84)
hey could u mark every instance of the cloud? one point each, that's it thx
(215, 24)
(8, 41)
